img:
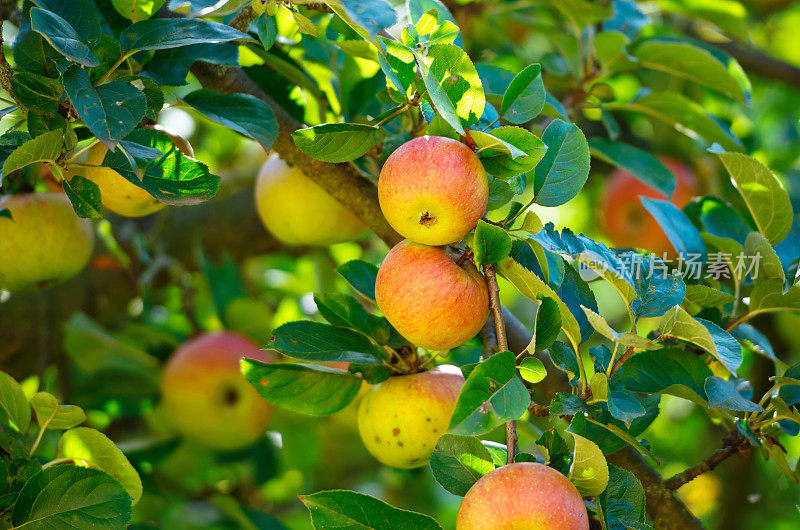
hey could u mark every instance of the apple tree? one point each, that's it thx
(580, 218)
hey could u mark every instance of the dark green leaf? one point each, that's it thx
(170, 67)
(163, 33)
(491, 243)
(556, 450)
(348, 509)
(624, 503)
(345, 311)
(367, 17)
(459, 461)
(62, 36)
(308, 389)
(43, 148)
(267, 30)
(676, 372)
(492, 394)
(243, 113)
(723, 394)
(152, 92)
(513, 150)
(110, 111)
(313, 341)
(360, 275)
(84, 196)
(565, 167)
(683, 235)
(657, 290)
(335, 142)
(637, 162)
(37, 92)
(524, 97)
(87, 498)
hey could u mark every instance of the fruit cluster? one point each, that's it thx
(433, 191)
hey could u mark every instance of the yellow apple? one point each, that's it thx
(119, 194)
(44, 243)
(207, 397)
(523, 495)
(433, 190)
(402, 418)
(428, 298)
(297, 211)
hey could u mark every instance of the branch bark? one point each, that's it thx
(728, 449)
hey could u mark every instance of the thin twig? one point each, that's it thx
(728, 449)
(502, 345)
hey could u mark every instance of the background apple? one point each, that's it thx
(433, 190)
(298, 211)
(44, 243)
(523, 495)
(208, 398)
(627, 223)
(428, 298)
(117, 193)
(401, 419)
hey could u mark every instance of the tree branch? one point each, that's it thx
(6, 74)
(728, 449)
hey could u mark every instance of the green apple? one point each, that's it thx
(207, 397)
(402, 418)
(44, 242)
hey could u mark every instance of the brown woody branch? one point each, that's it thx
(729, 448)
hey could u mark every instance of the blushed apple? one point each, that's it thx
(297, 211)
(433, 190)
(207, 397)
(430, 299)
(523, 495)
(402, 418)
(44, 243)
(627, 223)
(119, 194)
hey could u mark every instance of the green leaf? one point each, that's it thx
(344, 311)
(685, 60)
(532, 370)
(267, 30)
(459, 461)
(84, 196)
(110, 111)
(317, 342)
(671, 371)
(348, 509)
(92, 448)
(308, 389)
(452, 83)
(37, 92)
(701, 297)
(680, 231)
(367, 17)
(763, 193)
(723, 394)
(163, 33)
(44, 148)
(623, 503)
(510, 150)
(304, 24)
(637, 162)
(172, 178)
(678, 324)
(14, 403)
(360, 275)
(152, 92)
(87, 498)
(243, 113)
(62, 36)
(491, 395)
(524, 98)
(589, 469)
(335, 142)
(491, 243)
(136, 10)
(52, 415)
(564, 169)
(624, 339)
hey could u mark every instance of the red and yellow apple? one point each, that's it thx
(297, 211)
(44, 242)
(627, 223)
(433, 190)
(523, 495)
(429, 299)
(207, 397)
(402, 418)
(119, 194)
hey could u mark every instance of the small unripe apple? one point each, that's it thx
(402, 418)
(431, 300)
(44, 243)
(523, 495)
(433, 190)
(119, 194)
(297, 211)
(626, 221)
(207, 397)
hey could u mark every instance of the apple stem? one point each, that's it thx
(502, 345)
